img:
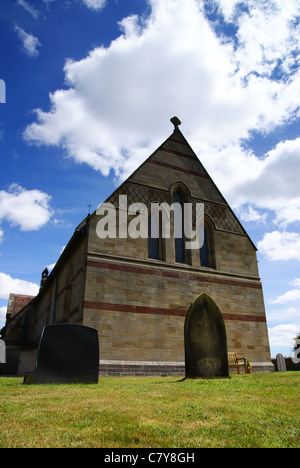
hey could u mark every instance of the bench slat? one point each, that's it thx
(234, 361)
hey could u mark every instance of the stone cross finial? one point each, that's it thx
(176, 122)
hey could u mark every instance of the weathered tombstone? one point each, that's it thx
(205, 340)
(67, 354)
(2, 352)
(281, 365)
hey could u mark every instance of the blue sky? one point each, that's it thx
(90, 89)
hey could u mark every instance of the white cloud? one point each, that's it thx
(94, 4)
(249, 214)
(115, 93)
(117, 108)
(265, 33)
(12, 285)
(29, 8)
(289, 296)
(293, 312)
(1, 235)
(3, 311)
(282, 314)
(28, 209)
(227, 7)
(62, 249)
(51, 266)
(278, 245)
(283, 335)
(30, 42)
(273, 183)
(296, 282)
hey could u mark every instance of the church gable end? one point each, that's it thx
(138, 291)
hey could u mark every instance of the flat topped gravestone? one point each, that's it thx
(2, 352)
(205, 340)
(281, 364)
(68, 354)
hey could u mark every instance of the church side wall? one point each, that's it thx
(43, 310)
(66, 289)
(70, 287)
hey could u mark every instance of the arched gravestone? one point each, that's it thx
(281, 364)
(67, 354)
(205, 340)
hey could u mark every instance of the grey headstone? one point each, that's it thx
(2, 352)
(205, 340)
(281, 365)
(68, 354)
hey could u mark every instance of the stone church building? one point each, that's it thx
(136, 292)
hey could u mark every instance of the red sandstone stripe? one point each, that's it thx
(134, 309)
(172, 274)
(178, 153)
(244, 318)
(159, 311)
(175, 140)
(181, 169)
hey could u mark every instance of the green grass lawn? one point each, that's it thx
(243, 411)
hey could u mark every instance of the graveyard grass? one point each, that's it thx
(256, 410)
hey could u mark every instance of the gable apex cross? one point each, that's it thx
(176, 122)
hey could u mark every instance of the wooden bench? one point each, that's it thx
(235, 362)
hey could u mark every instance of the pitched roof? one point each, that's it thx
(16, 302)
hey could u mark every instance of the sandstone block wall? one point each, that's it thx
(139, 310)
